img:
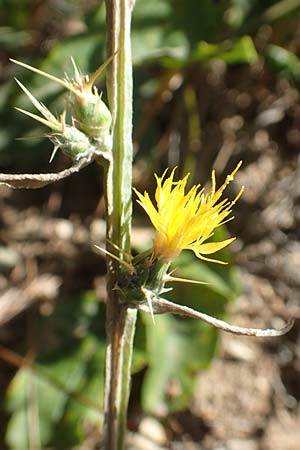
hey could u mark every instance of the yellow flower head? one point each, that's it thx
(187, 220)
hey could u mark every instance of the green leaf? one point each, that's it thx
(241, 51)
(49, 403)
(238, 12)
(283, 61)
(79, 416)
(74, 366)
(51, 384)
(17, 431)
(177, 349)
(154, 43)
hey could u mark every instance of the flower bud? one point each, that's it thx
(148, 274)
(70, 139)
(72, 142)
(91, 114)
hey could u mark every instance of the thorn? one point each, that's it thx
(45, 74)
(51, 120)
(164, 290)
(33, 136)
(63, 122)
(56, 147)
(77, 74)
(100, 69)
(106, 252)
(169, 278)
(149, 303)
(128, 255)
(45, 122)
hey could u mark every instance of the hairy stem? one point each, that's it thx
(120, 321)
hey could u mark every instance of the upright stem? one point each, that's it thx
(120, 321)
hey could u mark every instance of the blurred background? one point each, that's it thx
(215, 82)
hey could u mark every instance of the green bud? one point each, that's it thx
(148, 273)
(92, 115)
(72, 142)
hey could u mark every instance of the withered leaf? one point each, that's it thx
(38, 180)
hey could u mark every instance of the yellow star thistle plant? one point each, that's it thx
(185, 221)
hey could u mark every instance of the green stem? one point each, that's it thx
(120, 321)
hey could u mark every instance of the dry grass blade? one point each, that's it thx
(161, 306)
(38, 180)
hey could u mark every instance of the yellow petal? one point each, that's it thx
(213, 247)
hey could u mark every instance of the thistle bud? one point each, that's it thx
(72, 142)
(70, 139)
(147, 274)
(91, 113)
